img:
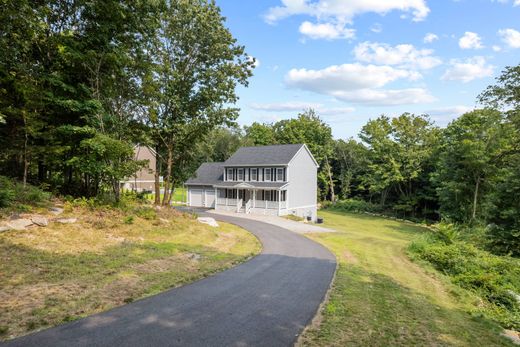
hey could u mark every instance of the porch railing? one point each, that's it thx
(248, 206)
(239, 205)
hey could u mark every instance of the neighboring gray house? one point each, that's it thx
(274, 180)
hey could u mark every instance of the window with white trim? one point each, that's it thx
(267, 173)
(279, 174)
(240, 174)
(254, 175)
(230, 174)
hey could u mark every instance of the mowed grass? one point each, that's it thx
(63, 272)
(380, 298)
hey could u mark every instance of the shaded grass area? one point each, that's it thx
(63, 272)
(380, 298)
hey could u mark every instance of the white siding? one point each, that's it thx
(302, 176)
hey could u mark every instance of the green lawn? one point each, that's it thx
(179, 195)
(381, 298)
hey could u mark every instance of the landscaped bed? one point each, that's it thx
(381, 298)
(109, 257)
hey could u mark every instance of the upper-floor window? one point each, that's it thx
(254, 175)
(279, 174)
(240, 174)
(267, 174)
(230, 174)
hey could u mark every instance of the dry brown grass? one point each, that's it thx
(108, 258)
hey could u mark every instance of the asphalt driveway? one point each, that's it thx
(266, 301)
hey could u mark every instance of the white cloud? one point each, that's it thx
(443, 115)
(515, 2)
(344, 11)
(470, 40)
(296, 106)
(468, 70)
(377, 28)
(386, 97)
(497, 48)
(403, 55)
(359, 83)
(347, 77)
(284, 106)
(511, 37)
(430, 37)
(327, 31)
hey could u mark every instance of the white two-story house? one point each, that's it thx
(274, 180)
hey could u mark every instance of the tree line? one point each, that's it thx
(466, 173)
(82, 82)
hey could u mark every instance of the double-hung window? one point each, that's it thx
(230, 174)
(254, 175)
(240, 174)
(267, 173)
(279, 174)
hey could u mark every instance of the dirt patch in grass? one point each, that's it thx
(67, 271)
(380, 298)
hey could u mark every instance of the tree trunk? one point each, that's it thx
(157, 176)
(117, 190)
(25, 150)
(172, 190)
(167, 179)
(331, 181)
(475, 198)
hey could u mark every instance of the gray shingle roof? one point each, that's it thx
(208, 174)
(263, 155)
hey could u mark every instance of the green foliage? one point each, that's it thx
(146, 212)
(128, 220)
(354, 205)
(495, 279)
(14, 194)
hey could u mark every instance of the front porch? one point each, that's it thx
(244, 198)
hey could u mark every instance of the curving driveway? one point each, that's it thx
(266, 301)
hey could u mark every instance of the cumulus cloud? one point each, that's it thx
(358, 83)
(345, 11)
(510, 37)
(385, 97)
(296, 106)
(327, 31)
(430, 37)
(443, 115)
(404, 55)
(470, 40)
(468, 70)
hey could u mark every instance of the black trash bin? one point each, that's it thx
(309, 218)
(319, 220)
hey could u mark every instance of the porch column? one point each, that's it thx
(254, 198)
(279, 197)
(216, 198)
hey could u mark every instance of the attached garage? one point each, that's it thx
(209, 198)
(196, 197)
(199, 196)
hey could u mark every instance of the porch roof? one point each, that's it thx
(251, 185)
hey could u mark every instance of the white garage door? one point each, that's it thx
(210, 198)
(196, 197)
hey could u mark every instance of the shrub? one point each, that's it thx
(146, 213)
(496, 279)
(503, 241)
(129, 220)
(13, 193)
(354, 205)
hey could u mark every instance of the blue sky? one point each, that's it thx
(353, 60)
